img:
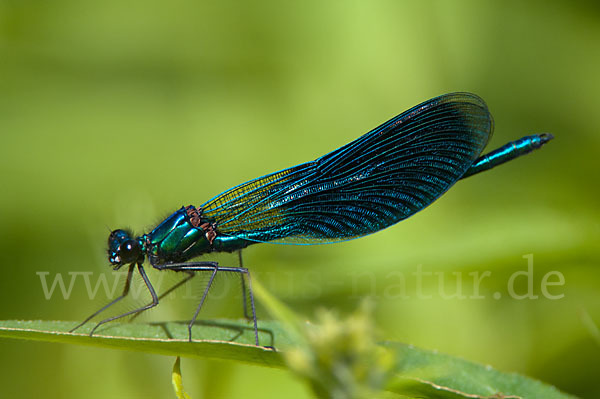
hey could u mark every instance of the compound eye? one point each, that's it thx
(129, 251)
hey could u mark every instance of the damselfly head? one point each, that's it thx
(123, 249)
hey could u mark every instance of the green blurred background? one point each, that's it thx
(117, 113)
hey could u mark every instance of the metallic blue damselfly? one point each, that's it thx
(377, 180)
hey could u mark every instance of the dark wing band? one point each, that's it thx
(383, 177)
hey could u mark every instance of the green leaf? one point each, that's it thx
(228, 339)
(416, 372)
(427, 374)
(177, 380)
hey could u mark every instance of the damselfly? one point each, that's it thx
(377, 180)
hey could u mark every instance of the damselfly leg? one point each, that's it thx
(146, 307)
(189, 268)
(213, 267)
(123, 295)
(167, 292)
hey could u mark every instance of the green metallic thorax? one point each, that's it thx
(185, 235)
